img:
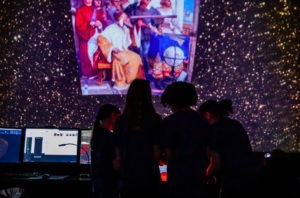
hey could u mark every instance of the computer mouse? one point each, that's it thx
(84, 176)
(46, 176)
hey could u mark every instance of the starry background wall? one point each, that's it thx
(247, 51)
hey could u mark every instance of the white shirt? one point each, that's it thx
(115, 34)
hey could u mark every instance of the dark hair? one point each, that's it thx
(226, 107)
(216, 109)
(104, 112)
(138, 104)
(179, 94)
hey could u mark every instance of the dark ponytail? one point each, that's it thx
(104, 112)
(226, 107)
(216, 109)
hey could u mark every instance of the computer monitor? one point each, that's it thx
(50, 145)
(10, 144)
(86, 136)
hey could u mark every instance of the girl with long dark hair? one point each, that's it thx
(231, 152)
(137, 134)
(105, 179)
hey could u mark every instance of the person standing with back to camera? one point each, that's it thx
(231, 152)
(184, 142)
(137, 133)
(105, 180)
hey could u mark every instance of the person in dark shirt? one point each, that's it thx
(231, 152)
(143, 29)
(137, 134)
(184, 142)
(105, 179)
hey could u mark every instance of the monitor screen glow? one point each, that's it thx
(86, 136)
(10, 140)
(50, 145)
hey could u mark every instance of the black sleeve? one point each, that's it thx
(167, 138)
(158, 128)
(112, 147)
(208, 133)
(214, 141)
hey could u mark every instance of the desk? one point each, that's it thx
(72, 186)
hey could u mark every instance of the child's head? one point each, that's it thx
(87, 2)
(166, 3)
(214, 110)
(107, 115)
(138, 103)
(179, 95)
(106, 118)
(116, 4)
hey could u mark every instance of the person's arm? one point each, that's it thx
(156, 153)
(158, 128)
(167, 155)
(215, 163)
(116, 148)
(106, 48)
(167, 141)
(83, 28)
(155, 22)
(116, 161)
(214, 142)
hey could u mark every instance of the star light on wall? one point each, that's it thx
(246, 51)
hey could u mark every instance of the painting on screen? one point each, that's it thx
(118, 41)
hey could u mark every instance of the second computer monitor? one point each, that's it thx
(86, 136)
(50, 145)
(10, 141)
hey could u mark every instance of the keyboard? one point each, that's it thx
(22, 174)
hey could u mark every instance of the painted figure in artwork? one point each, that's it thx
(170, 25)
(113, 45)
(142, 30)
(86, 25)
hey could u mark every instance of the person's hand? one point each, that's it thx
(73, 11)
(211, 180)
(92, 23)
(97, 23)
(116, 50)
(141, 23)
(160, 31)
(116, 164)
